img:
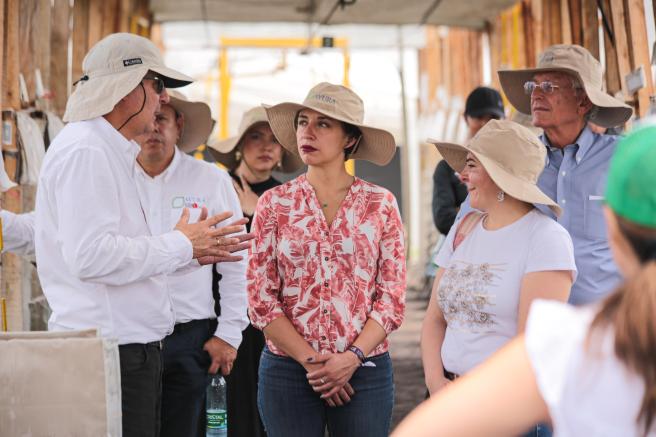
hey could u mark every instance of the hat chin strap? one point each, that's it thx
(140, 109)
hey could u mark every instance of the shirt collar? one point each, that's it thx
(584, 142)
(166, 175)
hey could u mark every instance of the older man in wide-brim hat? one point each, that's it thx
(100, 265)
(562, 94)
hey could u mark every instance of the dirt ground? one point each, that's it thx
(406, 358)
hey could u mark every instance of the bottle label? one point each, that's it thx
(217, 419)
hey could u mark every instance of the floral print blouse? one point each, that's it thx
(327, 280)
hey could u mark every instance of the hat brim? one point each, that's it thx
(98, 95)
(377, 145)
(610, 112)
(197, 123)
(456, 156)
(224, 151)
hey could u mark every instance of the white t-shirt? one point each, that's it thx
(589, 391)
(480, 288)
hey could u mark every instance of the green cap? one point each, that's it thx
(631, 186)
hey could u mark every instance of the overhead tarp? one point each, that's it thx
(459, 13)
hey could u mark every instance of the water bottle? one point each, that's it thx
(217, 417)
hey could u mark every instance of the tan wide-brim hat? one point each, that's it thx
(577, 61)
(340, 103)
(510, 153)
(197, 121)
(225, 151)
(112, 69)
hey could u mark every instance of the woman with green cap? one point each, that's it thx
(590, 370)
(251, 158)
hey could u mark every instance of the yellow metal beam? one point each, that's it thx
(224, 83)
(281, 43)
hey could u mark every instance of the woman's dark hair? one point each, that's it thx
(629, 312)
(351, 131)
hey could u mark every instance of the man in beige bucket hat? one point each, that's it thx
(100, 265)
(169, 180)
(562, 94)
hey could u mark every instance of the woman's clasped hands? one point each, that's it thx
(330, 373)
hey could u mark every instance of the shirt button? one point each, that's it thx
(325, 311)
(564, 173)
(325, 258)
(563, 201)
(325, 284)
(323, 337)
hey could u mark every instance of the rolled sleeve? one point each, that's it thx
(262, 274)
(389, 304)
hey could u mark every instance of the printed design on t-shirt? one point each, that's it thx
(464, 297)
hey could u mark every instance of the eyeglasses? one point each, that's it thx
(159, 83)
(546, 87)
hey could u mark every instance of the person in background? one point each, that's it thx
(562, 94)
(251, 157)
(590, 370)
(169, 180)
(99, 264)
(326, 275)
(483, 104)
(496, 263)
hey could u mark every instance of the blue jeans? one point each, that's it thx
(540, 430)
(290, 408)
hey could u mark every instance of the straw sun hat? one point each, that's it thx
(339, 103)
(112, 69)
(580, 63)
(197, 121)
(511, 154)
(225, 151)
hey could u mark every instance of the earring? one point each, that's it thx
(238, 155)
(279, 165)
(501, 196)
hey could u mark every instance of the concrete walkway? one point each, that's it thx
(406, 358)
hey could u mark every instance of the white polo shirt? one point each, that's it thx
(98, 263)
(190, 183)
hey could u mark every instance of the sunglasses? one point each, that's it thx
(159, 83)
(546, 87)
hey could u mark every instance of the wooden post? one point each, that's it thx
(590, 27)
(565, 22)
(621, 43)
(95, 22)
(60, 33)
(613, 84)
(639, 50)
(34, 51)
(537, 19)
(110, 16)
(80, 36)
(11, 287)
(575, 16)
(529, 32)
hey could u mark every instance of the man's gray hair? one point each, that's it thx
(580, 90)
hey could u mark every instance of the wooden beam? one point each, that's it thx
(639, 50)
(590, 26)
(95, 22)
(555, 22)
(59, 55)
(613, 81)
(565, 22)
(80, 36)
(576, 20)
(10, 284)
(110, 16)
(528, 30)
(621, 43)
(34, 50)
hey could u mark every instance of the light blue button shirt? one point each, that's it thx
(575, 177)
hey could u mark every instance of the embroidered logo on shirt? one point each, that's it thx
(188, 202)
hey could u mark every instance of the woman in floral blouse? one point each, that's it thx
(326, 276)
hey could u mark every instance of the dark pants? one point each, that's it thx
(290, 408)
(141, 388)
(243, 416)
(185, 379)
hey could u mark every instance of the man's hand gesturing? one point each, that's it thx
(214, 244)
